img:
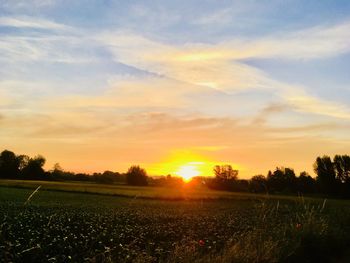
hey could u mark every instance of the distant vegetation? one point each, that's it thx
(333, 177)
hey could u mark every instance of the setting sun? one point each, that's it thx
(186, 163)
(188, 171)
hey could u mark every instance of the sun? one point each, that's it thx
(184, 163)
(188, 171)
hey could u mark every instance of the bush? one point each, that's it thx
(136, 176)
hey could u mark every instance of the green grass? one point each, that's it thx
(69, 226)
(181, 193)
(148, 192)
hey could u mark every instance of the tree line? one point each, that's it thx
(332, 176)
(332, 179)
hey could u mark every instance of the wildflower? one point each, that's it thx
(201, 243)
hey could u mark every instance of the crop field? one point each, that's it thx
(124, 190)
(165, 193)
(57, 226)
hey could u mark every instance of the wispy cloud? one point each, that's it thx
(31, 22)
(26, 5)
(306, 103)
(263, 115)
(222, 16)
(219, 66)
(312, 43)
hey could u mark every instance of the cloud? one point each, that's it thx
(48, 48)
(220, 66)
(306, 103)
(31, 22)
(270, 109)
(313, 43)
(180, 70)
(222, 16)
(313, 128)
(26, 5)
(127, 92)
(129, 137)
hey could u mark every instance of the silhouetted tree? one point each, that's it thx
(136, 176)
(240, 185)
(282, 180)
(57, 172)
(225, 178)
(342, 170)
(108, 177)
(258, 184)
(342, 167)
(290, 180)
(9, 165)
(225, 172)
(168, 181)
(23, 162)
(326, 177)
(305, 183)
(34, 169)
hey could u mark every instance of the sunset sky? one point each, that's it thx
(97, 85)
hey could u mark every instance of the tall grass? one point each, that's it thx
(303, 237)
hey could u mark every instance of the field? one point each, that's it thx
(131, 224)
(164, 193)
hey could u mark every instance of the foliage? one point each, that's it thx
(326, 177)
(136, 176)
(167, 181)
(9, 164)
(282, 180)
(258, 184)
(225, 178)
(69, 227)
(21, 166)
(34, 168)
(306, 184)
(225, 172)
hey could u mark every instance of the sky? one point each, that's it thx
(101, 85)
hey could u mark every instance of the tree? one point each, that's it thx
(225, 172)
(136, 176)
(290, 180)
(9, 165)
(225, 178)
(342, 167)
(326, 176)
(282, 180)
(34, 168)
(305, 183)
(57, 172)
(258, 184)
(23, 162)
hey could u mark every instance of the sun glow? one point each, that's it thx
(188, 171)
(187, 164)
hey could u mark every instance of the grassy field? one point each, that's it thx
(60, 226)
(184, 193)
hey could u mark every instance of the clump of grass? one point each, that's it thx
(303, 237)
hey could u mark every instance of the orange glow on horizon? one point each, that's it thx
(185, 164)
(188, 171)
